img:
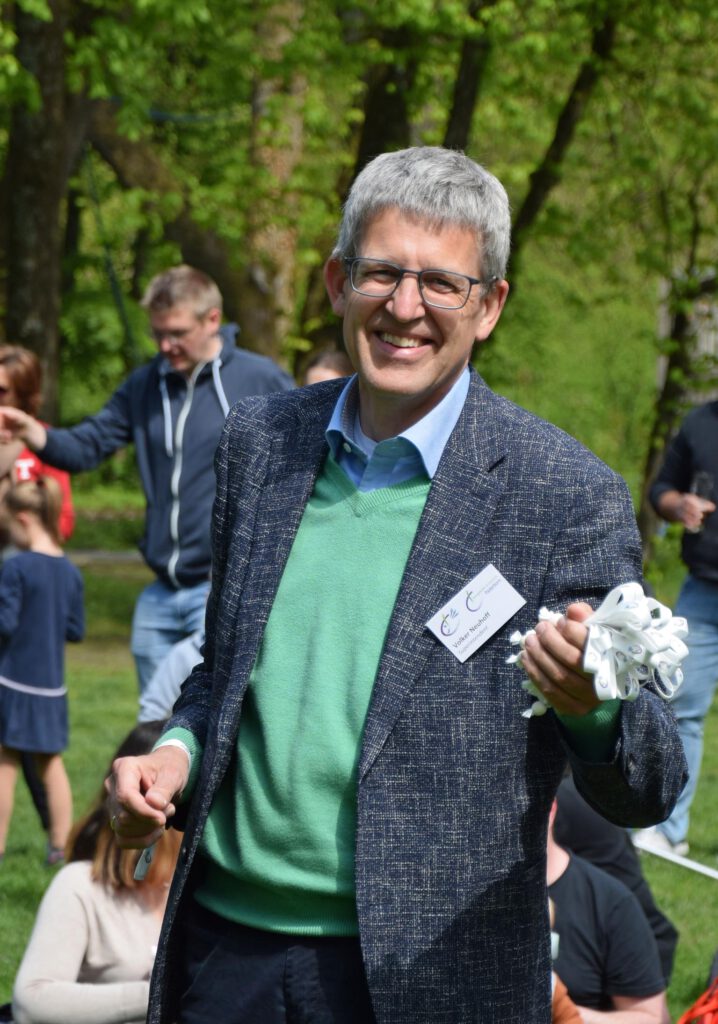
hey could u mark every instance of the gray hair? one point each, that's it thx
(442, 186)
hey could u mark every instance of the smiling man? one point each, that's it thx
(173, 410)
(365, 805)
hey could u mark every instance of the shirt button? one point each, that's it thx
(347, 447)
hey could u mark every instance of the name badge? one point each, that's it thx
(475, 613)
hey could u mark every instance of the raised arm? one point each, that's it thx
(78, 448)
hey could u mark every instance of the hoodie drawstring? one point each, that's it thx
(166, 416)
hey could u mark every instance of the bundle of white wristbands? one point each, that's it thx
(632, 639)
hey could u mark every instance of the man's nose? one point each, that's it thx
(407, 303)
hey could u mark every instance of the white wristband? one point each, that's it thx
(181, 745)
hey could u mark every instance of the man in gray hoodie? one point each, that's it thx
(173, 410)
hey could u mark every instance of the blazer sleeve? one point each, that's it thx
(597, 549)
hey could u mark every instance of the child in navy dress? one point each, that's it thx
(40, 608)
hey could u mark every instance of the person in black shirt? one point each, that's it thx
(589, 835)
(607, 955)
(685, 492)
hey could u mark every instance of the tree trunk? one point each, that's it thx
(386, 123)
(36, 179)
(385, 126)
(139, 165)
(472, 64)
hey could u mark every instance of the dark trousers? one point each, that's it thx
(239, 975)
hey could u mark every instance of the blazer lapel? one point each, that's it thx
(295, 452)
(447, 552)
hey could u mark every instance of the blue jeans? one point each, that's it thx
(164, 616)
(698, 602)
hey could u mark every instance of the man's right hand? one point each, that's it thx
(142, 791)
(693, 510)
(685, 508)
(16, 425)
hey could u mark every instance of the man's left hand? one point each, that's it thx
(553, 661)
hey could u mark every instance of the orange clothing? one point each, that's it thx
(563, 1008)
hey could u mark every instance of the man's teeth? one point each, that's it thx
(394, 339)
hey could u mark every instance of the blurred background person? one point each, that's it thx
(327, 364)
(586, 833)
(607, 956)
(685, 492)
(41, 606)
(91, 951)
(21, 388)
(173, 410)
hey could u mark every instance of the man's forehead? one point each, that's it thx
(182, 311)
(439, 239)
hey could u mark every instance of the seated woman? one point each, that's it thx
(93, 945)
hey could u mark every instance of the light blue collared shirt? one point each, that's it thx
(415, 452)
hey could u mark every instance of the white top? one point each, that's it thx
(89, 957)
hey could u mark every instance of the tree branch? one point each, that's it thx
(547, 175)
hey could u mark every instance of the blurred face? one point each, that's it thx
(17, 529)
(185, 339)
(317, 374)
(7, 392)
(407, 353)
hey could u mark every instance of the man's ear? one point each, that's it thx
(335, 281)
(213, 318)
(493, 307)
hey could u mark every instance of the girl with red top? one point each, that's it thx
(21, 388)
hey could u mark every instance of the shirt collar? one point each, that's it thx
(428, 436)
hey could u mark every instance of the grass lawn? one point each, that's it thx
(103, 700)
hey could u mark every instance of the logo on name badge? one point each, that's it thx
(450, 622)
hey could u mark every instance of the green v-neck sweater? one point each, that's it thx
(280, 837)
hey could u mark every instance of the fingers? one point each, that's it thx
(16, 424)
(132, 832)
(553, 660)
(141, 794)
(693, 510)
(579, 612)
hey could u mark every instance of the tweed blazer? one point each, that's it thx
(454, 785)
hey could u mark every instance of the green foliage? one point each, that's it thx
(578, 351)
(665, 571)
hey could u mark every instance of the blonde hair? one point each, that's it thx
(42, 497)
(182, 285)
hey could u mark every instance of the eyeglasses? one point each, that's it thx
(174, 336)
(444, 289)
